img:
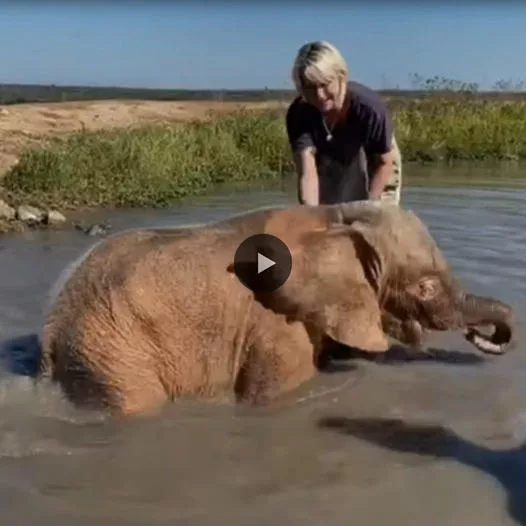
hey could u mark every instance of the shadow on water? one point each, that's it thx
(20, 355)
(398, 354)
(507, 466)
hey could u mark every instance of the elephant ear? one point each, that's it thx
(365, 249)
(354, 321)
(346, 269)
(333, 286)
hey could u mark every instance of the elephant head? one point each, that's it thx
(362, 270)
(416, 283)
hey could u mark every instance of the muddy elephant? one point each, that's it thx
(150, 315)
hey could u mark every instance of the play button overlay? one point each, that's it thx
(262, 263)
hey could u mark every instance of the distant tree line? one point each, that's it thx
(444, 84)
(20, 93)
(421, 88)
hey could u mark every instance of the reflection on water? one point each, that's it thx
(401, 441)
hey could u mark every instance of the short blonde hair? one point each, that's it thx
(316, 63)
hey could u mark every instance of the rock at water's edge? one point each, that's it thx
(54, 217)
(6, 211)
(30, 214)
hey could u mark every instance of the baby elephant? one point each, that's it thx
(149, 315)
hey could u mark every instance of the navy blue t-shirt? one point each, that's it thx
(343, 160)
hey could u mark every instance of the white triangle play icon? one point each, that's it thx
(264, 263)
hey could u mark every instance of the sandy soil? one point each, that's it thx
(27, 124)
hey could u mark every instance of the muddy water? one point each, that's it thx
(424, 439)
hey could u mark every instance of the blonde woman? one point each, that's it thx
(340, 133)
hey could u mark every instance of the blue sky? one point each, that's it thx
(220, 44)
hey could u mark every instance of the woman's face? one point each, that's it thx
(325, 97)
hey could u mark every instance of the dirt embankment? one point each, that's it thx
(26, 124)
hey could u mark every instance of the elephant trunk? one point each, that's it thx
(478, 311)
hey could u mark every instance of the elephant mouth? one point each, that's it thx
(498, 342)
(478, 315)
(487, 323)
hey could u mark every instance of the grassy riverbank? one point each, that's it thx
(153, 165)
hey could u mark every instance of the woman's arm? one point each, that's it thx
(380, 148)
(383, 171)
(303, 155)
(307, 173)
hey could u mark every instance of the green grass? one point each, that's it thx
(152, 165)
(469, 129)
(156, 165)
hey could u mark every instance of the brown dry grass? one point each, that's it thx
(27, 124)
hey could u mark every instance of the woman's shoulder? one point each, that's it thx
(365, 99)
(299, 109)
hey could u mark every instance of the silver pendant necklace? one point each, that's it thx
(329, 131)
(328, 136)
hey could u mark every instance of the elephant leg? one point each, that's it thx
(139, 400)
(121, 390)
(277, 362)
(409, 332)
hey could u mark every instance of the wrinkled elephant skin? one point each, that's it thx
(149, 315)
